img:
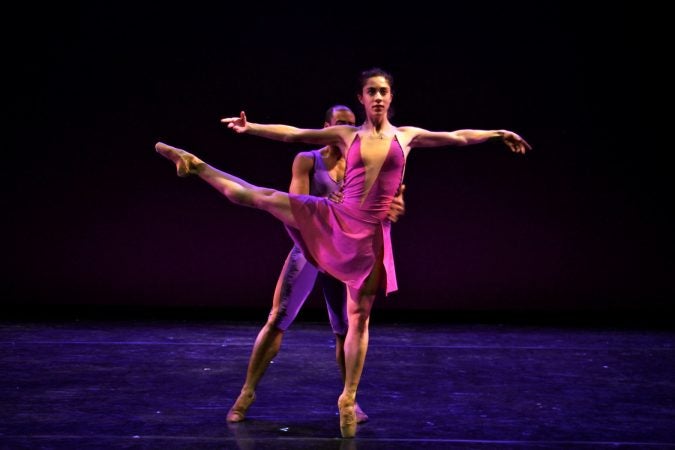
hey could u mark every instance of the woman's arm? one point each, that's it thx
(419, 137)
(335, 135)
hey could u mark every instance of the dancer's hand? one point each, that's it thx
(238, 124)
(397, 206)
(516, 143)
(336, 197)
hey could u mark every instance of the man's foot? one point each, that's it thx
(185, 162)
(347, 416)
(360, 415)
(238, 411)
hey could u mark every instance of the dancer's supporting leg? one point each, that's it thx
(359, 305)
(334, 292)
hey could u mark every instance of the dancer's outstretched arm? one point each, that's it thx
(419, 137)
(336, 135)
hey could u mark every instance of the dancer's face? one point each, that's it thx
(376, 96)
(342, 117)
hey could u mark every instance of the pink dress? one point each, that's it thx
(344, 239)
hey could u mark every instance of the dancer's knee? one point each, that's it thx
(358, 310)
(358, 320)
(279, 320)
(240, 195)
(255, 197)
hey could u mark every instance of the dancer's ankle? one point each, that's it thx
(349, 393)
(197, 166)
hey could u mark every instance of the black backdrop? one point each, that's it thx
(96, 217)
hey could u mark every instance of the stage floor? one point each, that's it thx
(164, 384)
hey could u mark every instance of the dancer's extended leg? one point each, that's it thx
(235, 189)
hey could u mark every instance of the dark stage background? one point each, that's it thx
(96, 217)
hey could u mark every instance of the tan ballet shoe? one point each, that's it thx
(238, 411)
(181, 158)
(347, 416)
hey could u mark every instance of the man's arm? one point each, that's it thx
(302, 167)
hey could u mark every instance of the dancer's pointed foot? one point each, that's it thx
(347, 416)
(238, 411)
(360, 415)
(186, 163)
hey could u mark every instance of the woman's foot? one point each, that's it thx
(238, 411)
(347, 416)
(186, 163)
(360, 415)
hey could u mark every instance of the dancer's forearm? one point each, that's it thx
(287, 133)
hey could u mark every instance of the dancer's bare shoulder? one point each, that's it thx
(406, 135)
